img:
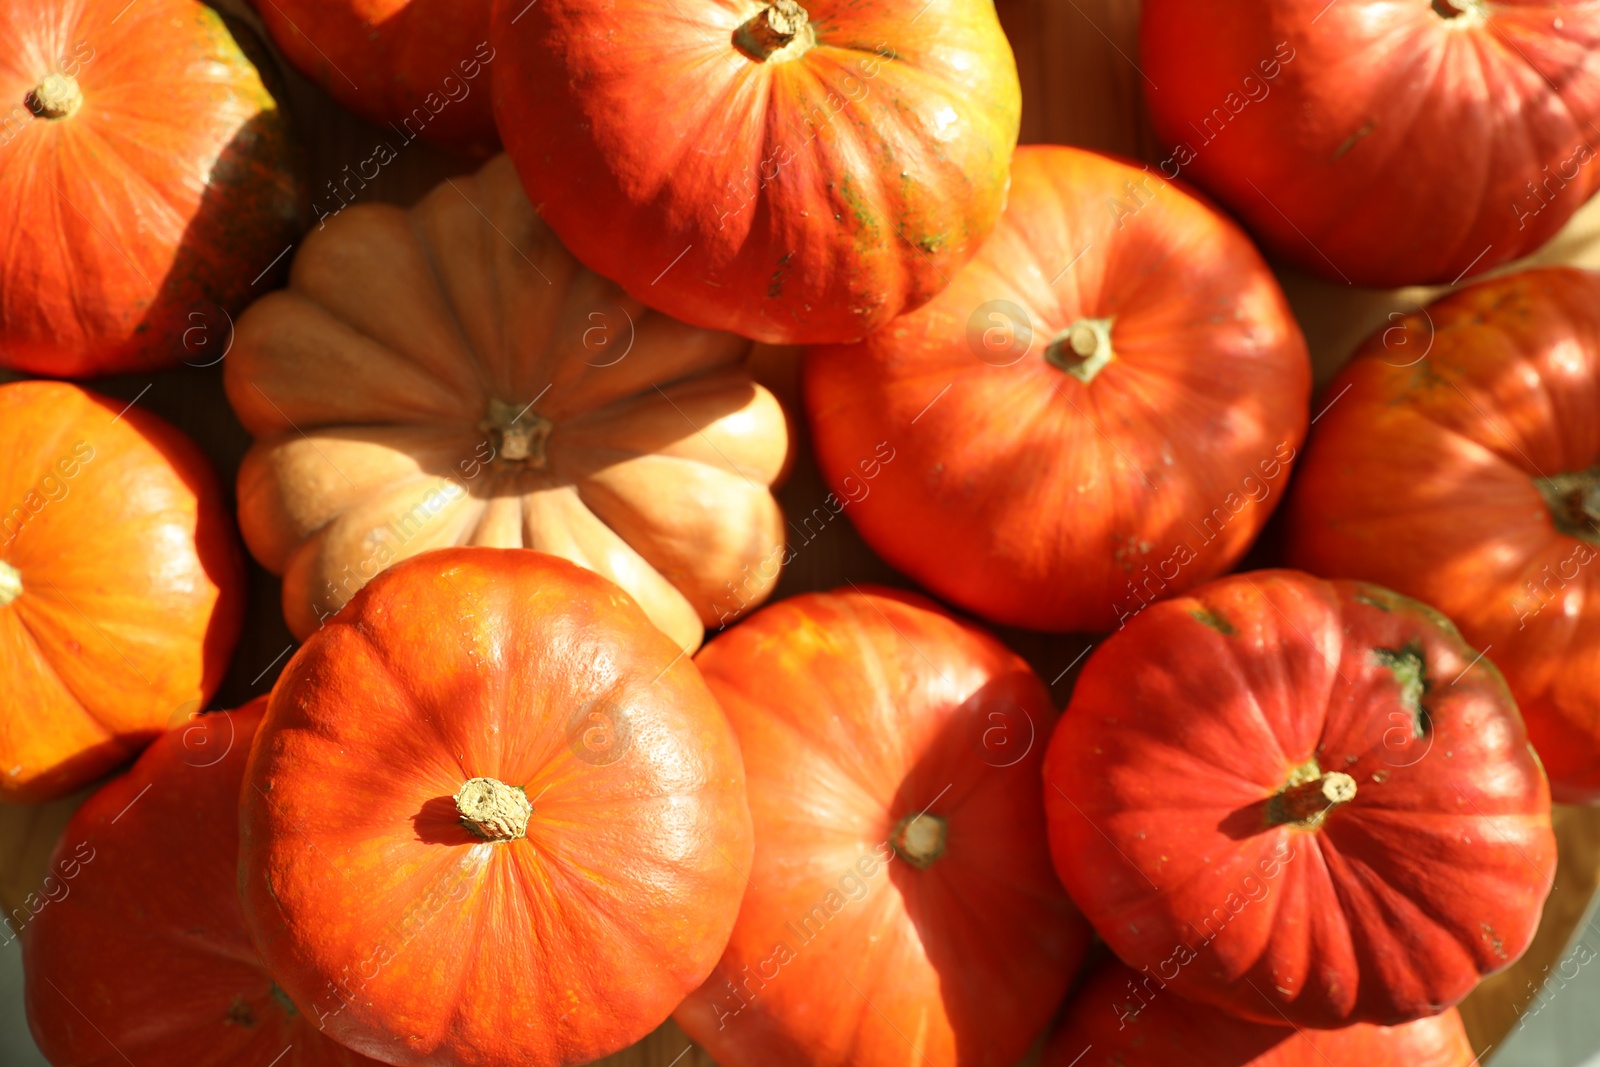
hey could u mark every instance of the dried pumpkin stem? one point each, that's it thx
(493, 810)
(919, 840)
(1574, 502)
(1082, 349)
(56, 97)
(779, 32)
(10, 583)
(519, 434)
(1308, 802)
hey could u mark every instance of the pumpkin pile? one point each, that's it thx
(544, 773)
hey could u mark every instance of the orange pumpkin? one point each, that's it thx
(121, 589)
(452, 376)
(148, 182)
(493, 816)
(901, 908)
(139, 954)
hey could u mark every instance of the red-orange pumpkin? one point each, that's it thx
(493, 816)
(1100, 411)
(1125, 1018)
(901, 907)
(421, 67)
(795, 174)
(1301, 801)
(1381, 143)
(140, 954)
(1459, 462)
(148, 183)
(121, 586)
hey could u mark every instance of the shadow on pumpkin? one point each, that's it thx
(255, 207)
(995, 959)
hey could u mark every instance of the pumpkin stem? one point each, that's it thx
(519, 435)
(777, 33)
(1574, 502)
(55, 98)
(1082, 349)
(10, 583)
(1451, 9)
(1307, 802)
(493, 810)
(919, 840)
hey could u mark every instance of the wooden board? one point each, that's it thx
(1081, 85)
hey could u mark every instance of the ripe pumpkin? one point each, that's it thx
(121, 590)
(794, 173)
(1301, 801)
(452, 375)
(1459, 462)
(901, 907)
(148, 179)
(1122, 1018)
(1380, 143)
(1101, 410)
(142, 957)
(493, 816)
(421, 66)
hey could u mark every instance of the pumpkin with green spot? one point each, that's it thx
(1301, 800)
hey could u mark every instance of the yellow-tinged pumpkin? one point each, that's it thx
(451, 375)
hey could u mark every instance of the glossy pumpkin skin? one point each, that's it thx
(1124, 1018)
(121, 589)
(411, 938)
(857, 710)
(1038, 488)
(1381, 143)
(143, 956)
(806, 197)
(383, 385)
(137, 220)
(421, 66)
(1453, 466)
(1168, 789)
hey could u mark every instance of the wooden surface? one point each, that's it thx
(1081, 85)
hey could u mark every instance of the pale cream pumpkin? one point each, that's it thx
(451, 375)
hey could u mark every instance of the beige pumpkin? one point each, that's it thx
(451, 375)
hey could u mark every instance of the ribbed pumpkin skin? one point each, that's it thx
(801, 201)
(1034, 498)
(1425, 476)
(144, 957)
(421, 65)
(1184, 729)
(411, 938)
(138, 224)
(855, 710)
(128, 587)
(1381, 143)
(372, 381)
(1125, 1018)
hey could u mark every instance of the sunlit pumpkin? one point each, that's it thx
(121, 588)
(1459, 462)
(1102, 409)
(493, 816)
(901, 908)
(142, 957)
(451, 375)
(148, 184)
(1300, 801)
(797, 173)
(1375, 142)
